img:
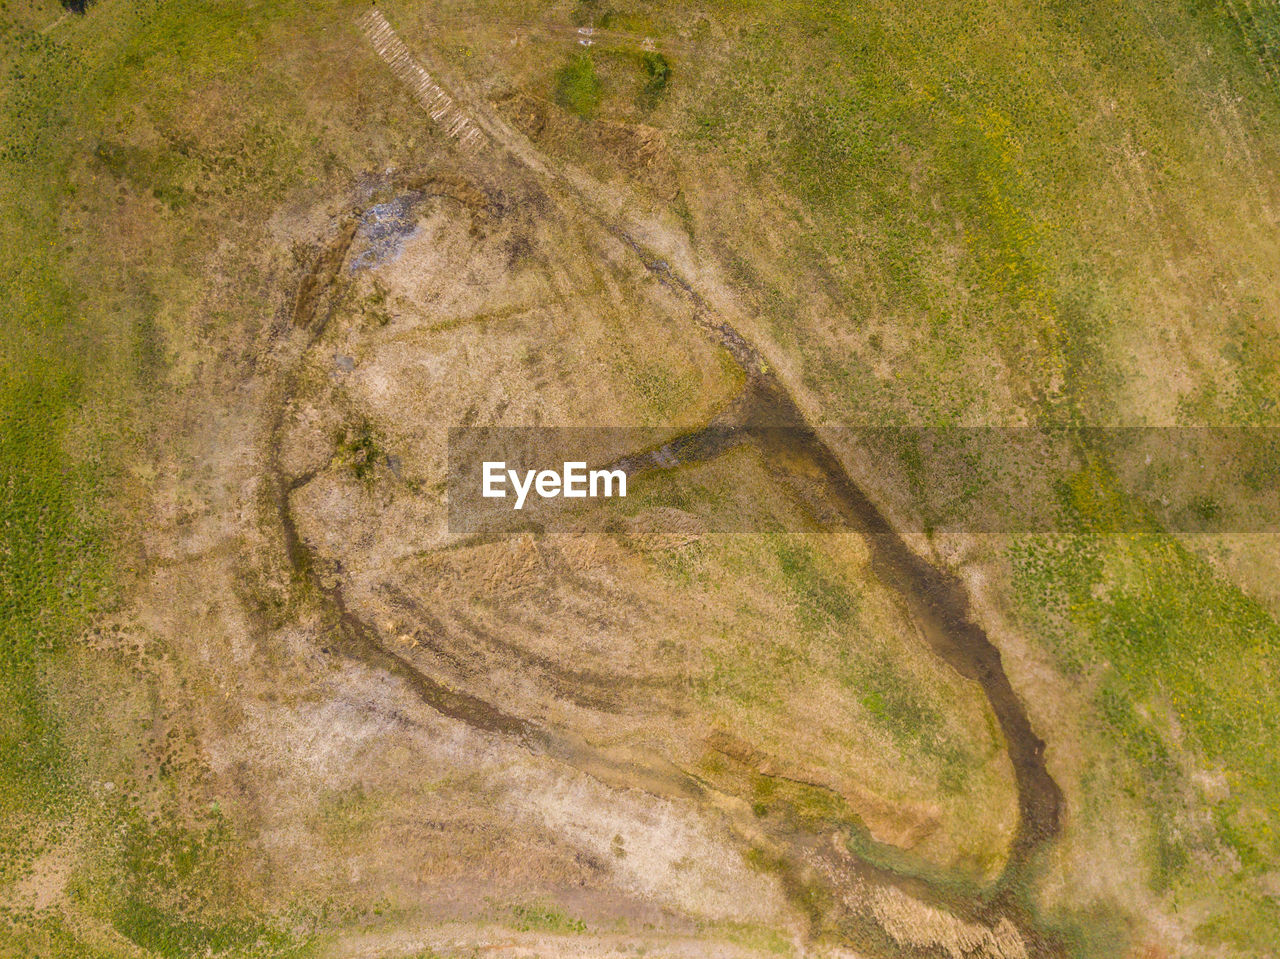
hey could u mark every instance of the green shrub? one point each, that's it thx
(658, 70)
(578, 86)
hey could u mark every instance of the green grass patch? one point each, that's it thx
(176, 937)
(543, 918)
(54, 564)
(1189, 664)
(657, 71)
(578, 88)
(822, 598)
(174, 886)
(360, 451)
(136, 142)
(757, 938)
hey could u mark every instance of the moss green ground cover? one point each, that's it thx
(1179, 658)
(961, 162)
(129, 139)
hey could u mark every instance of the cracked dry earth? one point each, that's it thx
(451, 725)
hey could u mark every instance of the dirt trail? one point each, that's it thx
(767, 416)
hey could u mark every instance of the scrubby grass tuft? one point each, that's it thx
(658, 72)
(542, 918)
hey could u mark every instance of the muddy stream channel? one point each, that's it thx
(765, 416)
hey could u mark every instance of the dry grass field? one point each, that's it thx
(258, 697)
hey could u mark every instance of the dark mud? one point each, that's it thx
(765, 416)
